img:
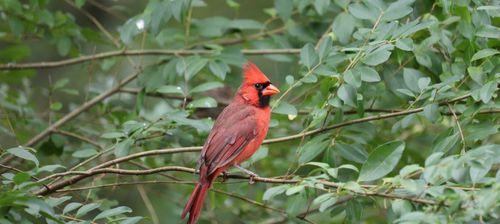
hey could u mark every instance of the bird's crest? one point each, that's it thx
(252, 74)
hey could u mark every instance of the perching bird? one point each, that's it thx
(237, 133)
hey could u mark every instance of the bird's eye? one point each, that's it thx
(258, 86)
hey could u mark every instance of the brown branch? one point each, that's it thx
(85, 174)
(78, 137)
(98, 56)
(136, 91)
(231, 41)
(75, 179)
(33, 141)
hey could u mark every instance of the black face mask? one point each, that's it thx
(263, 100)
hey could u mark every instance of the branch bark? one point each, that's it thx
(72, 180)
(81, 175)
(104, 55)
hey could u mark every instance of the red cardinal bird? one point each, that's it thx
(237, 134)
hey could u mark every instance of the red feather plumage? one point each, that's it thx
(237, 133)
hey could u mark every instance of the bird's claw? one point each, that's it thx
(251, 179)
(225, 176)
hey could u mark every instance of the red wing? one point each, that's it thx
(231, 133)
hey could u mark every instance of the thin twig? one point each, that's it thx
(103, 55)
(231, 41)
(462, 137)
(79, 137)
(33, 141)
(85, 174)
(72, 180)
(148, 204)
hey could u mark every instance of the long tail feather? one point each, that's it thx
(195, 202)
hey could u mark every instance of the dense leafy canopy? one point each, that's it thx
(387, 112)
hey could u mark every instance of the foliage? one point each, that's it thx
(387, 111)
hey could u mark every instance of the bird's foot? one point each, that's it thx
(225, 176)
(250, 173)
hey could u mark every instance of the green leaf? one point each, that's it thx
(353, 78)
(53, 202)
(411, 77)
(348, 95)
(409, 169)
(84, 153)
(60, 83)
(50, 168)
(294, 190)
(378, 56)
(296, 203)
(349, 167)
(367, 74)
(284, 9)
(313, 148)
(488, 31)
(397, 10)
(63, 46)
(423, 82)
(351, 152)
(113, 212)
(361, 11)
(56, 106)
(71, 206)
(123, 148)
(193, 65)
(431, 112)
(132, 220)
(354, 210)
(285, 108)
(113, 135)
(406, 92)
(271, 192)
(245, 24)
(322, 198)
(405, 44)
(343, 26)
(381, 161)
(321, 6)
(487, 91)
(23, 153)
(86, 209)
(327, 204)
(476, 74)
(21, 177)
(169, 89)
(325, 48)
(308, 56)
(80, 3)
(445, 144)
(206, 86)
(205, 102)
(219, 69)
(484, 53)
(318, 164)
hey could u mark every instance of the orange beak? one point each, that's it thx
(270, 90)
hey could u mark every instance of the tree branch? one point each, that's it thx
(84, 174)
(75, 179)
(99, 56)
(80, 109)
